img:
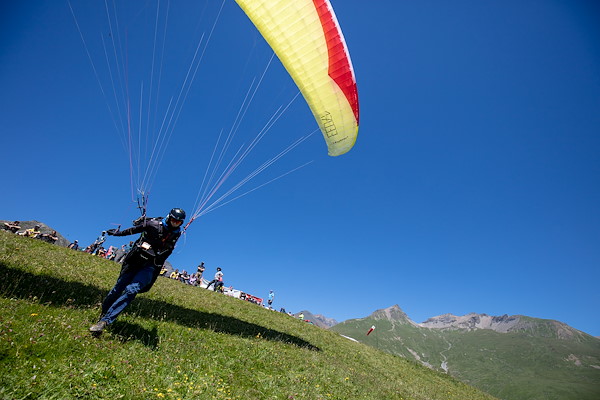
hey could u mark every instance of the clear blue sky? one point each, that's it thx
(474, 185)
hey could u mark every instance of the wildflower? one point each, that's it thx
(34, 314)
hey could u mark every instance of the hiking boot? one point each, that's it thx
(98, 327)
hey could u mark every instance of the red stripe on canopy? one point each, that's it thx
(340, 69)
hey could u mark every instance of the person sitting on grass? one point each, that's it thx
(12, 226)
(49, 237)
(33, 232)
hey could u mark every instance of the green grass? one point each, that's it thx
(176, 342)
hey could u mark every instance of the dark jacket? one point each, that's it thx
(155, 245)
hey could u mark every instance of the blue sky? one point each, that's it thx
(473, 187)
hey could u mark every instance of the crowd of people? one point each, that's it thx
(217, 283)
(194, 279)
(34, 233)
(118, 254)
(112, 253)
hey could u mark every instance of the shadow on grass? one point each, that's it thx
(126, 331)
(57, 292)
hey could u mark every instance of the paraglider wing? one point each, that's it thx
(370, 330)
(307, 38)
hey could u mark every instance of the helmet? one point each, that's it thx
(177, 213)
(175, 217)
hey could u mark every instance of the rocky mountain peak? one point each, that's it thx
(503, 324)
(393, 313)
(472, 321)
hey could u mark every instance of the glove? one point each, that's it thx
(111, 232)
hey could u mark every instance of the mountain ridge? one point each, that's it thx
(512, 357)
(473, 321)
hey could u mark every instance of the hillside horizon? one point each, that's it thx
(324, 321)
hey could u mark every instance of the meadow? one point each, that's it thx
(176, 342)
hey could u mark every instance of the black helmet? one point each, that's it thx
(177, 213)
(175, 217)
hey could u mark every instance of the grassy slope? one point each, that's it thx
(176, 342)
(532, 365)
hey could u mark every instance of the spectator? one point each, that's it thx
(74, 245)
(33, 232)
(98, 242)
(200, 271)
(101, 252)
(110, 254)
(184, 277)
(120, 254)
(271, 298)
(12, 227)
(49, 237)
(218, 278)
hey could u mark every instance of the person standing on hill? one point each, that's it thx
(200, 271)
(98, 243)
(142, 264)
(218, 278)
(271, 298)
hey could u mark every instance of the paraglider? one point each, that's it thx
(307, 38)
(304, 34)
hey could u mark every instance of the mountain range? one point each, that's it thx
(511, 357)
